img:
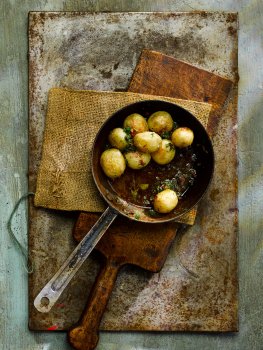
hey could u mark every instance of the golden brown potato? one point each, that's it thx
(136, 122)
(113, 163)
(165, 153)
(137, 159)
(147, 141)
(165, 201)
(160, 122)
(118, 138)
(182, 137)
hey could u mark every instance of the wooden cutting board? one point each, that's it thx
(125, 242)
(159, 74)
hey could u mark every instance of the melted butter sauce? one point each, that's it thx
(140, 186)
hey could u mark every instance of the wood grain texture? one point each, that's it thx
(124, 243)
(13, 160)
(162, 74)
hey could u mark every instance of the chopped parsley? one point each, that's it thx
(130, 147)
(176, 126)
(153, 213)
(166, 135)
(137, 216)
(127, 130)
(170, 146)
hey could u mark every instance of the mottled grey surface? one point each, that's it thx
(13, 145)
(69, 49)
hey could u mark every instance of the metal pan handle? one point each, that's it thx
(53, 289)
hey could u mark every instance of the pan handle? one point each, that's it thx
(85, 335)
(53, 289)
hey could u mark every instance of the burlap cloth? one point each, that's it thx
(73, 118)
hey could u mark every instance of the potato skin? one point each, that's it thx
(165, 154)
(147, 141)
(165, 201)
(137, 160)
(160, 122)
(136, 122)
(182, 137)
(113, 163)
(118, 138)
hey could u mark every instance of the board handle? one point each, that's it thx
(85, 335)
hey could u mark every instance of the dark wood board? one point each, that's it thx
(159, 74)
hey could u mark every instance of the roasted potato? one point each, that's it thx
(136, 122)
(137, 159)
(118, 138)
(165, 201)
(165, 153)
(147, 141)
(182, 137)
(160, 122)
(113, 163)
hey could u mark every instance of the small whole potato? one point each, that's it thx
(165, 201)
(113, 163)
(137, 159)
(136, 122)
(118, 138)
(182, 137)
(165, 153)
(160, 122)
(147, 141)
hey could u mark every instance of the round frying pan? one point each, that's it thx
(119, 204)
(202, 148)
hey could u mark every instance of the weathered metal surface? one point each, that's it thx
(76, 50)
(120, 241)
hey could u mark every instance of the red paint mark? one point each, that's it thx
(60, 306)
(53, 328)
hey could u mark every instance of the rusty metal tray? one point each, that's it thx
(197, 288)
